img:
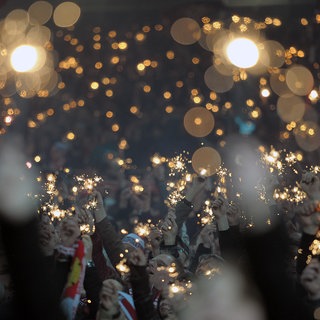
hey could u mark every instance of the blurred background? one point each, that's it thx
(115, 79)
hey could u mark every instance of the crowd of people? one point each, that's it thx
(119, 250)
(257, 261)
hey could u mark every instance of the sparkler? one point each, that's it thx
(206, 216)
(315, 169)
(178, 166)
(122, 267)
(87, 183)
(272, 160)
(315, 247)
(54, 212)
(277, 163)
(91, 204)
(221, 187)
(87, 229)
(142, 230)
(294, 194)
(50, 185)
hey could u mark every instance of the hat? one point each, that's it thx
(127, 305)
(133, 240)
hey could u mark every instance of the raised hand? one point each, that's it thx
(198, 185)
(109, 304)
(206, 235)
(169, 229)
(85, 221)
(219, 208)
(98, 211)
(309, 216)
(155, 237)
(233, 214)
(310, 184)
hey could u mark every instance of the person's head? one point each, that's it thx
(163, 269)
(209, 265)
(69, 231)
(132, 242)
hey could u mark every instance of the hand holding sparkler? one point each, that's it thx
(169, 229)
(98, 210)
(207, 236)
(219, 208)
(233, 214)
(198, 185)
(155, 238)
(309, 216)
(310, 184)
(269, 182)
(85, 220)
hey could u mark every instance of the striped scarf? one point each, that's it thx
(72, 291)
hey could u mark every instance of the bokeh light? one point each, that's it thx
(206, 161)
(278, 83)
(66, 14)
(185, 31)
(299, 80)
(307, 135)
(244, 27)
(38, 35)
(272, 54)
(16, 22)
(40, 12)
(198, 122)
(290, 108)
(24, 58)
(243, 53)
(216, 81)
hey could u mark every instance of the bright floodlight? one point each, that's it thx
(24, 58)
(243, 53)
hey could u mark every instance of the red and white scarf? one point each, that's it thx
(72, 291)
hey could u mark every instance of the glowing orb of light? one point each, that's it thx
(24, 58)
(242, 53)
